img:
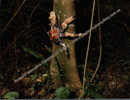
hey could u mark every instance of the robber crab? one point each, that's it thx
(56, 33)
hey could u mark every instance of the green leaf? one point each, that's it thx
(35, 54)
(38, 56)
(11, 95)
(62, 93)
(97, 95)
(98, 87)
(34, 76)
(92, 93)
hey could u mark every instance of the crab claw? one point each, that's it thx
(52, 18)
(66, 22)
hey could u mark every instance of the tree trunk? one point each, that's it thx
(63, 10)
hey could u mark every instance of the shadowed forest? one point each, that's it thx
(95, 66)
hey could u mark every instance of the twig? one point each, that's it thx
(17, 11)
(34, 9)
(62, 49)
(100, 43)
(87, 51)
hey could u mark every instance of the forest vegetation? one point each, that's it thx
(95, 66)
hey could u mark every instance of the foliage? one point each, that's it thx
(62, 93)
(95, 88)
(11, 95)
(94, 91)
(115, 32)
(94, 94)
(33, 53)
(34, 76)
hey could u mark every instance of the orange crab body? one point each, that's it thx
(54, 33)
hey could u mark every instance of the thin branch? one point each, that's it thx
(12, 18)
(100, 43)
(62, 49)
(87, 51)
(34, 9)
